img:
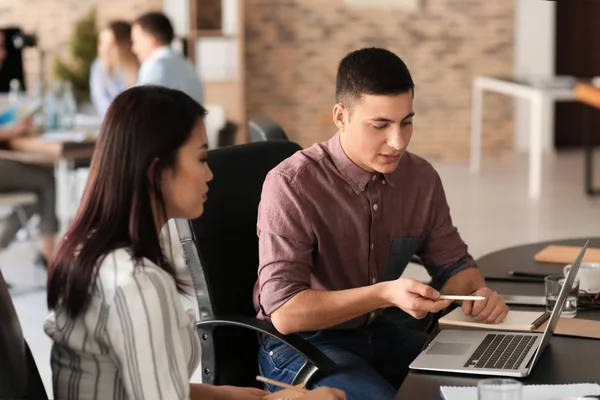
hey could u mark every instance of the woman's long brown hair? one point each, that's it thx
(143, 124)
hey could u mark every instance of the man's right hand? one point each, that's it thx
(415, 298)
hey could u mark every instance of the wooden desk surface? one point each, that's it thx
(27, 147)
(588, 94)
(565, 360)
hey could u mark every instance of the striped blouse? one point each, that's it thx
(135, 340)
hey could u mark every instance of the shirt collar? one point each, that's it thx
(354, 175)
(159, 52)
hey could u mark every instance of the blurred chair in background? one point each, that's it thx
(263, 128)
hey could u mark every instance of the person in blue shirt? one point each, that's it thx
(152, 34)
(116, 67)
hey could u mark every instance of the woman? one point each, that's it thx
(116, 68)
(16, 176)
(118, 326)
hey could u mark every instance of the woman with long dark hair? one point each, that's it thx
(118, 325)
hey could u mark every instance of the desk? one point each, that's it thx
(62, 155)
(541, 100)
(565, 360)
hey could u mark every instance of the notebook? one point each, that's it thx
(565, 254)
(520, 321)
(530, 392)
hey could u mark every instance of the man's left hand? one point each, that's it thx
(493, 310)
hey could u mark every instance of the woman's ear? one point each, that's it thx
(152, 170)
(339, 116)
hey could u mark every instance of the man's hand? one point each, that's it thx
(415, 298)
(493, 310)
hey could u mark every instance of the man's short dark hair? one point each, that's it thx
(158, 25)
(371, 71)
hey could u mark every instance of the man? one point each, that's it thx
(152, 35)
(337, 225)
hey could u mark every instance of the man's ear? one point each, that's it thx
(340, 116)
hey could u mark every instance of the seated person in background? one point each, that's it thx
(16, 176)
(152, 35)
(337, 225)
(116, 67)
(118, 324)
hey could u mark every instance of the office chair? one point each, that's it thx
(19, 376)
(220, 250)
(263, 128)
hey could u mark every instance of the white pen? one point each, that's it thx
(453, 297)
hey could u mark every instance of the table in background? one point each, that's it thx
(541, 100)
(565, 360)
(62, 154)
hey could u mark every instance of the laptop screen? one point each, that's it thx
(560, 302)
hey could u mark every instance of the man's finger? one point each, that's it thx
(423, 290)
(485, 312)
(467, 307)
(441, 305)
(479, 306)
(502, 316)
(491, 319)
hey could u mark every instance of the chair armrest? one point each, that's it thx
(314, 356)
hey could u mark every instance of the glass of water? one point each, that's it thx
(499, 389)
(554, 284)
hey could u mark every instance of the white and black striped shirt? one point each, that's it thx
(134, 341)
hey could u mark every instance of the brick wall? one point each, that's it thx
(293, 48)
(53, 21)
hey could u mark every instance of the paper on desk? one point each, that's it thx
(530, 392)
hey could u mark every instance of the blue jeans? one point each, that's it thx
(372, 361)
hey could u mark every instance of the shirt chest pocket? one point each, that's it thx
(401, 251)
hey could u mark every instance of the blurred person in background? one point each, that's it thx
(152, 34)
(17, 176)
(116, 67)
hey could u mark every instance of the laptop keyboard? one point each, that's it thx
(501, 351)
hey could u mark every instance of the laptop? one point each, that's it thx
(495, 353)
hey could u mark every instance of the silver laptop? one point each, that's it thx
(495, 353)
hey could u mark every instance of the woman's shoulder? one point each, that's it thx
(119, 270)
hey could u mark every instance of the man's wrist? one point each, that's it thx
(382, 294)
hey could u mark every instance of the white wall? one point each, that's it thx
(535, 33)
(177, 11)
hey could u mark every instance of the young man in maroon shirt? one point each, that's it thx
(337, 225)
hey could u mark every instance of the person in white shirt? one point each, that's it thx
(152, 34)
(118, 325)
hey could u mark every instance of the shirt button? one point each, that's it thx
(372, 246)
(374, 177)
(384, 182)
(374, 280)
(375, 206)
(373, 315)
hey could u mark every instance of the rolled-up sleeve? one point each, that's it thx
(286, 242)
(443, 252)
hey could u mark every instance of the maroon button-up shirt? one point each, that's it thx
(326, 224)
